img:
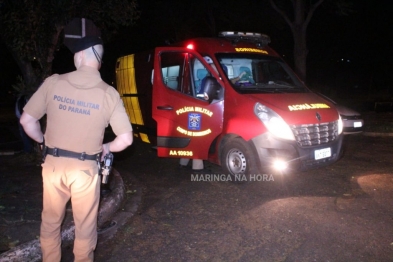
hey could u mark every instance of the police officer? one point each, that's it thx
(79, 106)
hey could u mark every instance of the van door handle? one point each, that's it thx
(164, 108)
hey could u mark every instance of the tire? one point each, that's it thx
(238, 159)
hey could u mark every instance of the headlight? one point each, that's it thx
(273, 122)
(340, 125)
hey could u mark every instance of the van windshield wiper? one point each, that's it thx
(269, 85)
(280, 83)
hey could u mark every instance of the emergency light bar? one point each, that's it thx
(260, 40)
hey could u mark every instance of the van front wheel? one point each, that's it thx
(238, 158)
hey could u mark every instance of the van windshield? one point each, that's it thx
(254, 73)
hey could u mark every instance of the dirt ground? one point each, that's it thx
(342, 212)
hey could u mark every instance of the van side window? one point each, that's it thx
(183, 72)
(171, 69)
(201, 75)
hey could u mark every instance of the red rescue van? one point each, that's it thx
(230, 100)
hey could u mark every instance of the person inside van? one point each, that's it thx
(235, 79)
(200, 93)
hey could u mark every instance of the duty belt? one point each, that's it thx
(57, 152)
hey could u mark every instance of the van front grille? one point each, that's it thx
(315, 134)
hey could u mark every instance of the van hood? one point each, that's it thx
(299, 108)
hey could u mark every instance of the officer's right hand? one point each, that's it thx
(105, 151)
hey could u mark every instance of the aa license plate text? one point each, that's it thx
(322, 153)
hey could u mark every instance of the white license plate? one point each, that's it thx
(357, 124)
(322, 153)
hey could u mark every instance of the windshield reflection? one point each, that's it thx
(254, 73)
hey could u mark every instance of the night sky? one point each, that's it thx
(345, 52)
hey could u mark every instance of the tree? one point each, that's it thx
(302, 14)
(183, 20)
(32, 30)
(298, 21)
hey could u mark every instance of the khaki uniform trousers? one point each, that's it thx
(65, 178)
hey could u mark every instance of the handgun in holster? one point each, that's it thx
(106, 167)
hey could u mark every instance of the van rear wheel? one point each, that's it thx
(239, 159)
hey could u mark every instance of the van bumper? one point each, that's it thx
(271, 149)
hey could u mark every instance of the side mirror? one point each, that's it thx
(212, 89)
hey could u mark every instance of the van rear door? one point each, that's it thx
(187, 124)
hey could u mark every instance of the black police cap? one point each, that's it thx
(80, 34)
(83, 43)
